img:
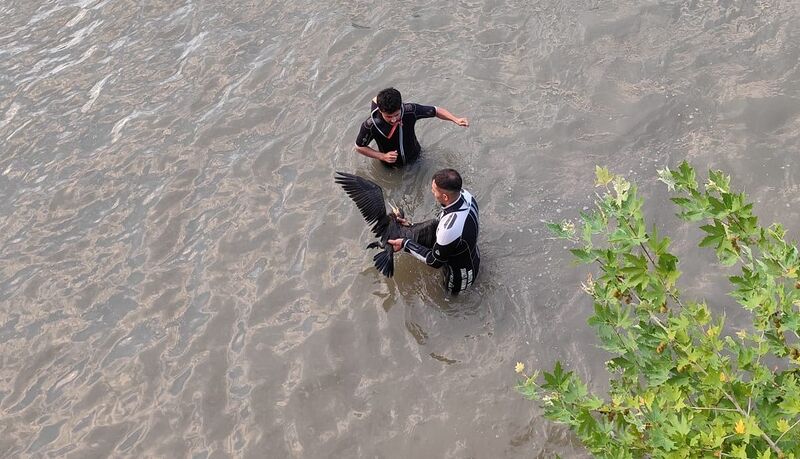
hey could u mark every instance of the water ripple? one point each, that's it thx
(179, 275)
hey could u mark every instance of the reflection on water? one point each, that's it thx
(180, 276)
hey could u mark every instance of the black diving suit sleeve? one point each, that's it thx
(364, 134)
(424, 254)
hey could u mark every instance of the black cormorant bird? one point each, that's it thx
(368, 196)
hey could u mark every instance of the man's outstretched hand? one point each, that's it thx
(397, 244)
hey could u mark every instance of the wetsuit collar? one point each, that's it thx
(452, 206)
(377, 120)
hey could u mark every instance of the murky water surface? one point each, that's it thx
(180, 277)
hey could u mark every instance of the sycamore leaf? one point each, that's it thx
(739, 451)
(583, 255)
(685, 176)
(681, 425)
(602, 176)
(665, 175)
(621, 187)
(717, 181)
(563, 230)
(783, 425)
(661, 441)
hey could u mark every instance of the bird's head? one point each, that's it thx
(396, 212)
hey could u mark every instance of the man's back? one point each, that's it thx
(456, 247)
(457, 242)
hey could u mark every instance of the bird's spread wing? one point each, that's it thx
(384, 261)
(368, 196)
(425, 232)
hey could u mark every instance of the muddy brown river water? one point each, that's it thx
(180, 276)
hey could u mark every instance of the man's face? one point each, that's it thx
(439, 195)
(391, 118)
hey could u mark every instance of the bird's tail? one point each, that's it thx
(384, 261)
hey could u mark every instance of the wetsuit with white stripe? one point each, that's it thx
(402, 139)
(456, 247)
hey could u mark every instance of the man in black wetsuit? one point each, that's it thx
(391, 125)
(456, 246)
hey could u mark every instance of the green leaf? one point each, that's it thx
(587, 425)
(681, 425)
(716, 234)
(791, 401)
(717, 181)
(660, 440)
(718, 209)
(584, 255)
(563, 230)
(602, 176)
(685, 177)
(555, 379)
(621, 188)
(665, 175)
(658, 245)
(593, 223)
(739, 451)
(772, 267)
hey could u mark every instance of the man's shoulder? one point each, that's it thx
(447, 220)
(420, 110)
(450, 228)
(468, 197)
(412, 107)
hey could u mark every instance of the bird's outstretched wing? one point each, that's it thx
(425, 232)
(384, 261)
(368, 196)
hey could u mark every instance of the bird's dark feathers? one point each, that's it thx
(384, 261)
(368, 196)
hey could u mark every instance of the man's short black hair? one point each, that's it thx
(389, 100)
(448, 180)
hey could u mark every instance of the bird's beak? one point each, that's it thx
(395, 210)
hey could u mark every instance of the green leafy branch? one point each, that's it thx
(679, 386)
